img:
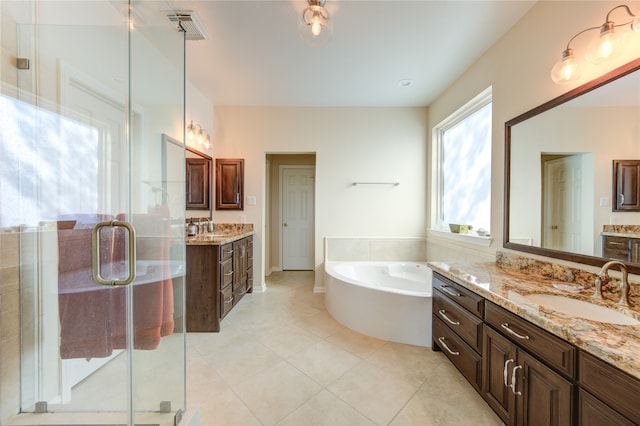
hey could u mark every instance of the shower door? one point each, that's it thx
(89, 88)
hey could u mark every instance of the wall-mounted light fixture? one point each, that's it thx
(610, 43)
(195, 133)
(316, 27)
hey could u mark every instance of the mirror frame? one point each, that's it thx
(578, 91)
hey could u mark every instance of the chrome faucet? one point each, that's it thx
(624, 284)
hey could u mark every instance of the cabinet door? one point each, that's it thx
(499, 358)
(239, 268)
(229, 184)
(249, 264)
(626, 185)
(198, 176)
(543, 397)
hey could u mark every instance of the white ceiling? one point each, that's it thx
(253, 54)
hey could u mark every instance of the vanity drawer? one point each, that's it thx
(226, 273)
(459, 353)
(226, 301)
(618, 248)
(554, 351)
(458, 319)
(226, 251)
(462, 296)
(617, 389)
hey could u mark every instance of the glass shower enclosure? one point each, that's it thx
(92, 213)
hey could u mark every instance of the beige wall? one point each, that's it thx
(518, 68)
(350, 144)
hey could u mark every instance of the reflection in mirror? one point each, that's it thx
(559, 156)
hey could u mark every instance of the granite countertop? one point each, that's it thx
(223, 233)
(618, 345)
(621, 234)
(627, 231)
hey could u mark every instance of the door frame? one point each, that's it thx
(281, 169)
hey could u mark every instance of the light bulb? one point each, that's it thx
(316, 26)
(567, 69)
(635, 25)
(605, 47)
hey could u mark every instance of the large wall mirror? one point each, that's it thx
(558, 168)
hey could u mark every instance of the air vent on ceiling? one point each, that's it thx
(188, 22)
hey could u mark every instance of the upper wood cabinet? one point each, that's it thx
(229, 184)
(198, 176)
(626, 185)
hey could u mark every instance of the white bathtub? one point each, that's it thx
(387, 300)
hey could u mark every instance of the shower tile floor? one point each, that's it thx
(281, 359)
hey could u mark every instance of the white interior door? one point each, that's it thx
(298, 205)
(563, 204)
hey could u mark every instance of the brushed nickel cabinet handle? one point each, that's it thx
(513, 333)
(444, 345)
(445, 288)
(513, 380)
(442, 313)
(505, 372)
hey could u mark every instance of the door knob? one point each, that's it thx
(285, 224)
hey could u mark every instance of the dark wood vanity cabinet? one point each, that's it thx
(229, 184)
(218, 276)
(626, 185)
(520, 388)
(607, 393)
(621, 248)
(457, 327)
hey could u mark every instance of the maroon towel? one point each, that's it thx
(93, 317)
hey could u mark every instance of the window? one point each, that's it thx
(462, 148)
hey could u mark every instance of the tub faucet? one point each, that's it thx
(624, 284)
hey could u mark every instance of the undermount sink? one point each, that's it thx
(581, 309)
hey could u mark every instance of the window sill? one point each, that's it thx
(465, 238)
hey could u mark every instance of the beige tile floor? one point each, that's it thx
(281, 359)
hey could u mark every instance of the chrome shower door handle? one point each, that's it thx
(95, 252)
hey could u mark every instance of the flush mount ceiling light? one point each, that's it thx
(315, 28)
(610, 43)
(196, 134)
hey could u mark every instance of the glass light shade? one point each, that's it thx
(635, 25)
(315, 27)
(607, 46)
(566, 70)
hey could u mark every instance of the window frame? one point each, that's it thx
(478, 102)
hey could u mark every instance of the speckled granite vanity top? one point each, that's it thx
(627, 231)
(506, 285)
(223, 233)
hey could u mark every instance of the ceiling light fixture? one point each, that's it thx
(196, 134)
(608, 45)
(316, 27)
